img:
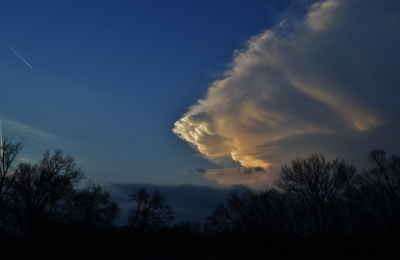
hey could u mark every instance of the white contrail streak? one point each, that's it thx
(19, 56)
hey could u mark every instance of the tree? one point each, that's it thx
(150, 210)
(387, 172)
(88, 207)
(314, 183)
(10, 151)
(38, 189)
(320, 198)
(381, 188)
(251, 213)
(189, 227)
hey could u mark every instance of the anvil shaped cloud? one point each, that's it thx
(331, 73)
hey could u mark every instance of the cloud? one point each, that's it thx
(314, 83)
(199, 170)
(250, 170)
(225, 161)
(323, 14)
(255, 177)
(31, 132)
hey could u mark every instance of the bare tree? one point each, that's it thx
(320, 198)
(90, 206)
(314, 182)
(189, 227)
(150, 210)
(39, 187)
(252, 213)
(10, 152)
(381, 188)
(387, 172)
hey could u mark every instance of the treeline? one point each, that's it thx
(38, 199)
(318, 207)
(318, 198)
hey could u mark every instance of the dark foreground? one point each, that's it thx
(196, 247)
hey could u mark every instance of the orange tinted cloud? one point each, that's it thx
(304, 77)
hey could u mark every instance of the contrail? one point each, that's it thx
(19, 56)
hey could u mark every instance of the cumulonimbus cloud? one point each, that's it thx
(333, 72)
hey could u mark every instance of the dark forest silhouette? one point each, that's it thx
(318, 208)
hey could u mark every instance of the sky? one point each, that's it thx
(198, 94)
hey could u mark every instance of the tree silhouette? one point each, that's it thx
(381, 188)
(189, 227)
(314, 183)
(149, 210)
(40, 187)
(88, 207)
(10, 152)
(252, 213)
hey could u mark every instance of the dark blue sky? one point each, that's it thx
(251, 83)
(110, 78)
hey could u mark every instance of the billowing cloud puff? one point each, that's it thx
(307, 85)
